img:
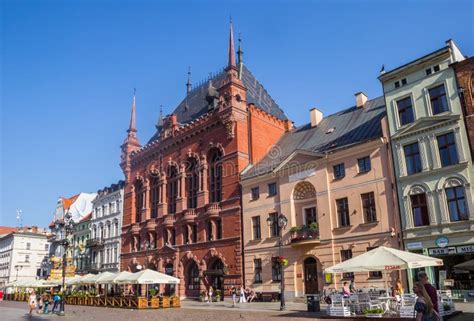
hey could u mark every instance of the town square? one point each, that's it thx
(240, 160)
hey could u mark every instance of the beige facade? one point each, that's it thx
(307, 189)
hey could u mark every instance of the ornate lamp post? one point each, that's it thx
(66, 226)
(281, 222)
(146, 246)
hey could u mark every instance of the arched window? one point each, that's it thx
(457, 206)
(192, 182)
(155, 197)
(419, 207)
(215, 175)
(172, 189)
(138, 200)
(193, 277)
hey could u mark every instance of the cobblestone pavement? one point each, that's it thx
(191, 311)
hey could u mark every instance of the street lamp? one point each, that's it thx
(281, 221)
(146, 246)
(66, 226)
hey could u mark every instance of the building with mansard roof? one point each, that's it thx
(182, 210)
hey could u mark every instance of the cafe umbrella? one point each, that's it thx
(384, 259)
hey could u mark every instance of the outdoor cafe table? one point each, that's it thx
(390, 303)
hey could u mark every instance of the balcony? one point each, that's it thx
(213, 210)
(303, 235)
(189, 215)
(97, 242)
(168, 220)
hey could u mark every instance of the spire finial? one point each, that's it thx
(132, 127)
(231, 62)
(159, 123)
(189, 85)
(240, 56)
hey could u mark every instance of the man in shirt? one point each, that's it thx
(423, 277)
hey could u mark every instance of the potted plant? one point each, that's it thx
(374, 312)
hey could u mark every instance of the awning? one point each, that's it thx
(466, 266)
(384, 259)
(147, 277)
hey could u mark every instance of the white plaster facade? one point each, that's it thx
(21, 254)
(106, 227)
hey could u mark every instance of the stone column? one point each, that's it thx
(408, 214)
(146, 200)
(401, 160)
(434, 151)
(423, 153)
(443, 207)
(430, 200)
(163, 205)
(181, 199)
(459, 145)
(203, 194)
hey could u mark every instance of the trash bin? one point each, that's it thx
(312, 301)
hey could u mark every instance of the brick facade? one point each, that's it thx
(465, 77)
(198, 242)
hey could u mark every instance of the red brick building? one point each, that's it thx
(465, 77)
(182, 204)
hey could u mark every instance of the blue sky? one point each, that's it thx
(69, 69)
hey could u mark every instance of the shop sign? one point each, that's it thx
(414, 246)
(442, 241)
(442, 251)
(465, 249)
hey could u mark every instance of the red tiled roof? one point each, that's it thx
(67, 202)
(7, 229)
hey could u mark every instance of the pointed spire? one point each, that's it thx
(132, 127)
(159, 123)
(189, 85)
(240, 53)
(231, 62)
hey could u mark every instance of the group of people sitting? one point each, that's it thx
(426, 306)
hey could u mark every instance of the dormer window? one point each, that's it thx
(436, 68)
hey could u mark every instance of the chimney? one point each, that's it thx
(316, 116)
(361, 99)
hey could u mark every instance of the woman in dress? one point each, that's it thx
(32, 302)
(424, 306)
(242, 294)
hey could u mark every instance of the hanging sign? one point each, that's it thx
(442, 241)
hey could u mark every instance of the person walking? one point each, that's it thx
(32, 302)
(233, 291)
(424, 307)
(56, 300)
(46, 303)
(423, 279)
(242, 294)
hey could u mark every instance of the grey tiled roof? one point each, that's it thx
(351, 126)
(195, 104)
